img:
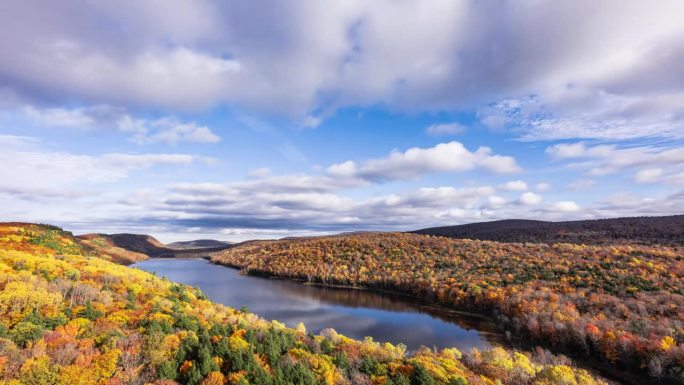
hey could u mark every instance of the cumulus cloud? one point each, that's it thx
(566, 206)
(248, 206)
(496, 201)
(266, 205)
(414, 162)
(530, 198)
(515, 185)
(166, 130)
(445, 129)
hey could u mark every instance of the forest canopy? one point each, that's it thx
(622, 304)
(70, 316)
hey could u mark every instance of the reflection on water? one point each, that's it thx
(354, 313)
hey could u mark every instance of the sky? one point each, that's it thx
(236, 120)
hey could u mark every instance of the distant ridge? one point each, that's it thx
(150, 246)
(667, 230)
(198, 244)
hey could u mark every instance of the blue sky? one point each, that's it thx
(238, 120)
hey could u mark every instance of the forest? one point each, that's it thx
(70, 315)
(665, 230)
(621, 304)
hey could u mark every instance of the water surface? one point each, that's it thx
(354, 313)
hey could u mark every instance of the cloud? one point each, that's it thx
(515, 185)
(266, 205)
(311, 121)
(308, 56)
(248, 206)
(60, 117)
(15, 142)
(589, 114)
(648, 175)
(445, 129)
(169, 130)
(414, 162)
(566, 206)
(36, 171)
(530, 198)
(599, 160)
(496, 201)
(543, 186)
(579, 150)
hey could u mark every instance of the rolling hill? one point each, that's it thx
(71, 317)
(667, 230)
(198, 244)
(151, 247)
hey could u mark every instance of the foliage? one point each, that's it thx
(620, 303)
(74, 319)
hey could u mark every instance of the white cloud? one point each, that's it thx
(169, 130)
(579, 150)
(496, 201)
(543, 186)
(36, 170)
(414, 162)
(15, 142)
(445, 129)
(589, 114)
(649, 175)
(267, 205)
(599, 160)
(566, 206)
(530, 198)
(172, 131)
(515, 185)
(437, 197)
(60, 117)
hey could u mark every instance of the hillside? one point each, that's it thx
(149, 246)
(198, 244)
(667, 230)
(102, 245)
(622, 305)
(67, 317)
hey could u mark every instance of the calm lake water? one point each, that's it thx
(354, 313)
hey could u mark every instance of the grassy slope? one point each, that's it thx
(67, 317)
(621, 304)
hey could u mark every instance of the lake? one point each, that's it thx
(354, 313)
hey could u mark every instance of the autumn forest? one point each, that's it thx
(71, 313)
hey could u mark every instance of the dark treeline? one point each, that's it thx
(667, 230)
